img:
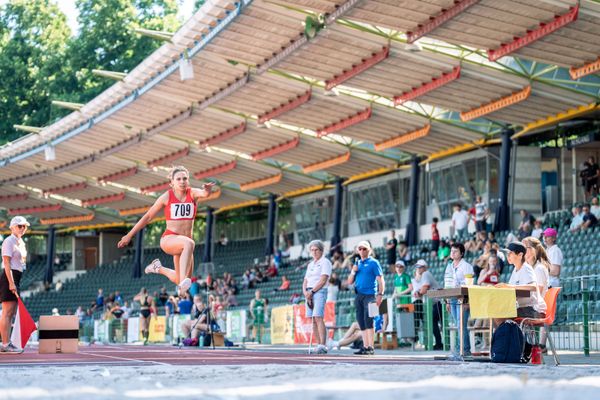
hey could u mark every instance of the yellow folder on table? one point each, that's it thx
(491, 302)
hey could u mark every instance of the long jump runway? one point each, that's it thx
(126, 355)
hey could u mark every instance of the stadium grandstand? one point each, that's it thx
(337, 120)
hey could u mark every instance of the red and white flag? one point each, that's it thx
(24, 326)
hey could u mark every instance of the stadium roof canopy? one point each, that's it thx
(287, 95)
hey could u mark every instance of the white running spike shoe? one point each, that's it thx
(184, 285)
(153, 267)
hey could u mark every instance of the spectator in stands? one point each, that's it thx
(523, 277)
(595, 208)
(435, 237)
(589, 219)
(195, 288)
(460, 221)
(118, 297)
(285, 284)
(369, 287)
(258, 310)
(536, 257)
(537, 229)
(526, 225)
(198, 322)
(457, 271)
(391, 249)
(58, 285)
(147, 308)
(223, 239)
(314, 288)
(272, 270)
(14, 255)
(592, 176)
(482, 213)
(100, 299)
(337, 260)
(184, 304)
(179, 204)
(489, 274)
(80, 313)
(352, 336)
(403, 286)
(444, 251)
(555, 256)
(231, 298)
(577, 219)
(332, 290)
(424, 282)
(126, 310)
(403, 252)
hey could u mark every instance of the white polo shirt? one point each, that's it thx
(14, 248)
(315, 269)
(460, 219)
(455, 276)
(525, 276)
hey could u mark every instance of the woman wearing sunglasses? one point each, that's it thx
(14, 255)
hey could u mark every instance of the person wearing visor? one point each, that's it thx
(14, 255)
(367, 277)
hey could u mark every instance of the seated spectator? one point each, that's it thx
(116, 310)
(526, 225)
(198, 322)
(589, 219)
(403, 252)
(338, 260)
(352, 337)
(58, 286)
(231, 298)
(595, 208)
(99, 300)
(223, 240)
(195, 287)
(285, 284)
(272, 270)
(185, 304)
(80, 313)
(489, 274)
(118, 297)
(332, 290)
(295, 298)
(577, 219)
(126, 310)
(444, 251)
(537, 229)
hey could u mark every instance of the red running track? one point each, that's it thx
(123, 355)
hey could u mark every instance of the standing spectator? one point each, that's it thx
(332, 290)
(595, 209)
(589, 220)
(460, 221)
(526, 225)
(14, 256)
(402, 284)
(317, 274)
(391, 249)
(455, 276)
(481, 214)
(592, 177)
(100, 299)
(427, 282)
(367, 278)
(79, 313)
(435, 237)
(555, 256)
(184, 304)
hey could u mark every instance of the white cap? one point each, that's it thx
(421, 263)
(18, 220)
(364, 244)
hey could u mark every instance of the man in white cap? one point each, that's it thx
(367, 276)
(14, 255)
(423, 282)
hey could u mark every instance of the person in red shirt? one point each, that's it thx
(179, 204)
(435, 237)
(285, 284)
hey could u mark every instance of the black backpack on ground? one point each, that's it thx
(507, 343)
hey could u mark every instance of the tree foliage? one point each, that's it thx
(41, 61)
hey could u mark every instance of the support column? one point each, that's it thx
(412, 228)
(207, 257)
(336, 238)
(138, 256)
(502, 221)
(50, 244)
(271, 226)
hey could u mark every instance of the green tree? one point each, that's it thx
(33, 38)
(107, 39)
(198, 4)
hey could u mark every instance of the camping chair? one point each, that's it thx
(550, 298)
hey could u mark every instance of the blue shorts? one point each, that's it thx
(319, 299)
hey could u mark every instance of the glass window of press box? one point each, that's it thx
(313, 218)
(460, 181)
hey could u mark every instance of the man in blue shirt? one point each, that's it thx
(367, 277)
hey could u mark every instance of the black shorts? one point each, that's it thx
(481, 226)
(145, 313)
(5, 293)
(361, 303)
(435, 245)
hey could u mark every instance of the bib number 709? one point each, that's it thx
(181, 210)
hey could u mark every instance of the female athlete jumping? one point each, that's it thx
(179, 204)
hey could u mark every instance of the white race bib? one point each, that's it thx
(181, 210)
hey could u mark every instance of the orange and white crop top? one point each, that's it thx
(180, 210)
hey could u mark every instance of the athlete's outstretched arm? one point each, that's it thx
(145, 220)
(204, 191)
